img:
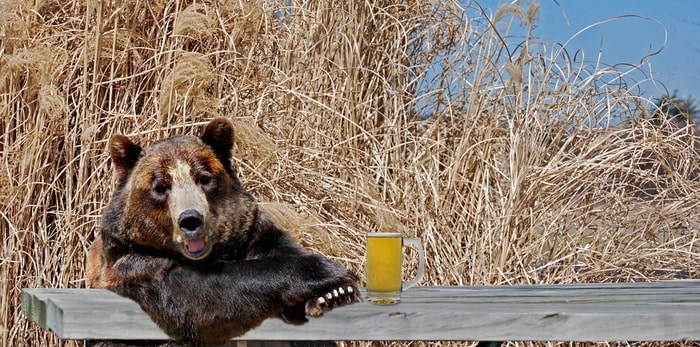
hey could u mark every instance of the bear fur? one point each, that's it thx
(183, 238)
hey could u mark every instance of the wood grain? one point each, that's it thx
(662, 311)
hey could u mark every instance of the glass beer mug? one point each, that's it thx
(384, 266)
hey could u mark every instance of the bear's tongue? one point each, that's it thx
(195, 245)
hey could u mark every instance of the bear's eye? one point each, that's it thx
(160, 190)
(207, 182)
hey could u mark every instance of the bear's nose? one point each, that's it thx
(190, 222)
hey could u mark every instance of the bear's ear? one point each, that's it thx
(219, 136)
(125, 154)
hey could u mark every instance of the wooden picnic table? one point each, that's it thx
(659, 311)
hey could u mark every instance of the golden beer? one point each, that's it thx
(383, 267)
(384, 255)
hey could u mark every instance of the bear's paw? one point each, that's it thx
(337, 297)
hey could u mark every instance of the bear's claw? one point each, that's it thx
(337, 297)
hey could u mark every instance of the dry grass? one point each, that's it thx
(534, 168)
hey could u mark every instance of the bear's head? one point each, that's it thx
(179, 195)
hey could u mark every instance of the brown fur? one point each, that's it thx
(95, 265)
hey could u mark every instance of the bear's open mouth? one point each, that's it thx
(197, 247)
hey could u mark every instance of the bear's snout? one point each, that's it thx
(190, 223)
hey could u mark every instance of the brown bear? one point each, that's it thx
(188, 243)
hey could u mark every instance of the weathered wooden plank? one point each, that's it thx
(672, 291)
(591, 312)
(490, 323)
(87, 313)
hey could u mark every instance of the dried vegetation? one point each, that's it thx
(513, 161)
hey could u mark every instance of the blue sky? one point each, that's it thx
(630, 39)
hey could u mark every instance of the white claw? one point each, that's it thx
(329, 296)
(350, 290)
(341, 291)
(321, 301)
(335, 293)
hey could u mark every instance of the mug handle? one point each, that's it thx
(421, 262)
